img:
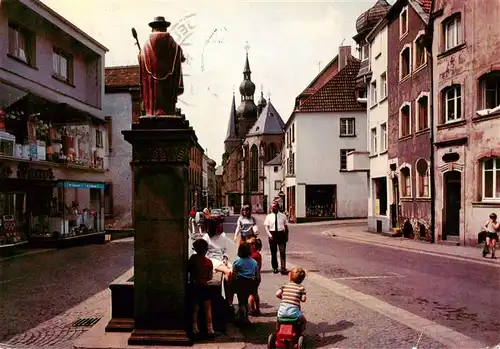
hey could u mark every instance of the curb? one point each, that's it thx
(413, 249)
(27, 254)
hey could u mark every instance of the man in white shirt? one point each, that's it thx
(276, 227)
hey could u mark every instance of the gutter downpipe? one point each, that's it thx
(431, 157)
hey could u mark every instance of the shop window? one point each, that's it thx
(347, 127)
(254, 168)
(423, 178)
(62, 65)
(383, 137)
(423, 112)
(420, 52)
(277, 185)
(452, 101)
(343, 158)
(373, 141)
(405, 120)
(383, 86)
(373, 93)
(403, 22)
(405, 182)
(321, 200)
(490, 91)
(22, 44)
(452, 31)
(405, 62)
(491, 179)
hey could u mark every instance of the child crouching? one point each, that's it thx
(245, 275)
(292, 294)
(200, 270)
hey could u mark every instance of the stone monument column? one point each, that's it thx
(160, 163)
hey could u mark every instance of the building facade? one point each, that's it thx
(195, 177)
(328, 122)
(211, 164)
(466, 91)
(409, 84)
(372, 77)
(254, 137)
(220, 199)
(273, 184)
(53, 134)
(122, 107)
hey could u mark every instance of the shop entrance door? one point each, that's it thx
(453, 197)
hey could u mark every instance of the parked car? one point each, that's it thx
(225, 210)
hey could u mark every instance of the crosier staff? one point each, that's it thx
(134, 34)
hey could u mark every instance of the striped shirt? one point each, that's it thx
(292, 293)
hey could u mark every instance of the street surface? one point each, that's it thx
(359, 295)
(460, 295)
(37, 287)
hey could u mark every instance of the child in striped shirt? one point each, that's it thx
(292, 294)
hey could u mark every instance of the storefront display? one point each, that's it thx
(320, 201)
(12, 218)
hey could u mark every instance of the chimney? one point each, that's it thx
(344, 55)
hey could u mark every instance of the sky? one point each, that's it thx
(289, 41)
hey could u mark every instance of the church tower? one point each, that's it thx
(247, 110)
(232, 140)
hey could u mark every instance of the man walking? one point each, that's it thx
(276, 228)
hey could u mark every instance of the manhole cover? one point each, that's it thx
(86, 322)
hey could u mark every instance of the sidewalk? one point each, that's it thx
(458, 252)
(355, 229)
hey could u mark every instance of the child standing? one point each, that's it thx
(292, 294)
(245, 275)
(492, 228)
(200, 270)
(254, 299)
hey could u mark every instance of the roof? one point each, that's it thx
(276, 161)
(122, 76)
(426, 5)
(231, 126)
(269, 122)
(324, 75)
(219, 171)
(338, 94)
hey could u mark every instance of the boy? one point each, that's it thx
(200, 270)
(492, 227)
(254, 299)
(292, 294)
(245, 274)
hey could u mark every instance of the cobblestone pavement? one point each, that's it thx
(460, 295)
(38, 287)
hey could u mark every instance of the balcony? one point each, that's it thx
(358, 161)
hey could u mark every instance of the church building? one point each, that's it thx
(254, 137)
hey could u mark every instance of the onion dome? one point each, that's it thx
(368, 19)
(262, 101)
(247, 88)
(247, 110)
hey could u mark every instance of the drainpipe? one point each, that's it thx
(431, 158)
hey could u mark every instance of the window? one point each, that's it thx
(373, 138)
(405, 63)
(403, 22)
(490, 85)
(275, 169)
(373, 93)
(452, 32)
(61, 65)
(383, 86)
(343, 158)
(20, 43)
(347, 127)
(365, 52)
(383, 137)
(362, 93)
(277, 185)
(293, 133)
(405, 120)
(423, 112)
(98, 139)
(291, 164)
(491, 179)
(405, 182)
(420, 52)
(423, 178)
(452, 104)
(254, 168)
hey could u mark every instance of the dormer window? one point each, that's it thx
(365, 52)
(403, 22)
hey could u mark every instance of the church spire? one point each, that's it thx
(231, 127)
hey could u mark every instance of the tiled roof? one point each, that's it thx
(122, 76)
(338, 94)
(268, 123)
(426, 5)
(276, 161)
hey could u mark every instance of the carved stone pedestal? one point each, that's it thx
(160, 174)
